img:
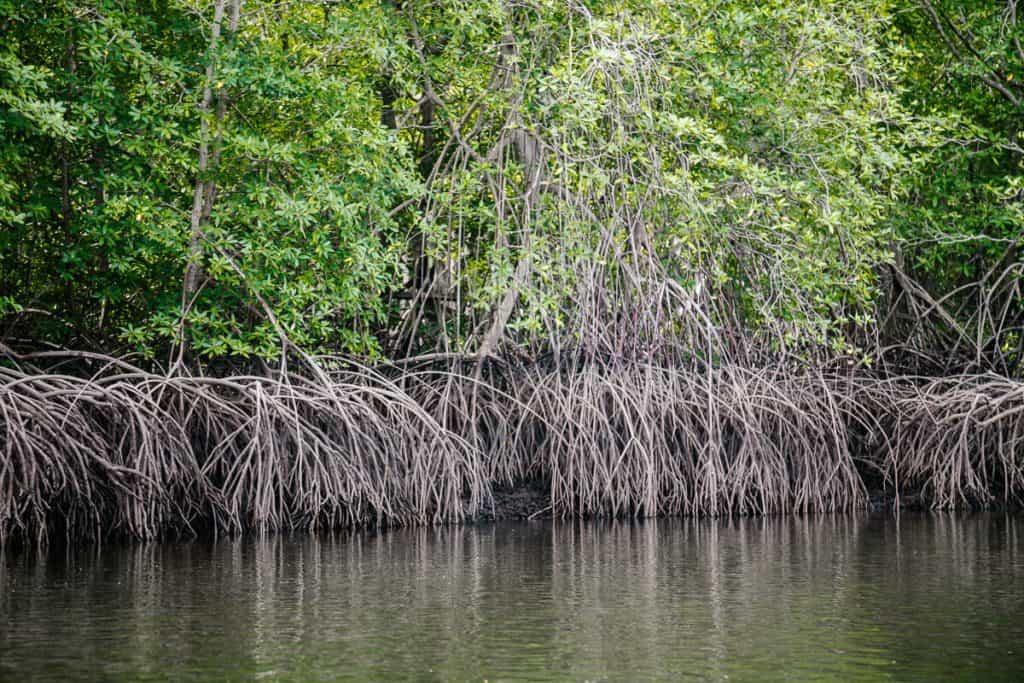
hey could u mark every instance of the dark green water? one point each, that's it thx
(846, 598)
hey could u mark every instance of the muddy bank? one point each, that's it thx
(530, 500)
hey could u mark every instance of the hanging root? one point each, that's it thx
(959, 440)
(140, 455)
(637, 439)
(133, 454)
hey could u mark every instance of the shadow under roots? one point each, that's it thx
(130, 454)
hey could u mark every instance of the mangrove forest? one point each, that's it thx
(277, 265)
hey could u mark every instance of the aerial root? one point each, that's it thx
(133, 454)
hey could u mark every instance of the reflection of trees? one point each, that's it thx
(946, 599)
(829, 597)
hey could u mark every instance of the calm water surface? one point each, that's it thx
(848, 598)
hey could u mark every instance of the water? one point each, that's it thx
(846, 598)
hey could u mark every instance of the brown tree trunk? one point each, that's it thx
(205, 188)
(528, 150)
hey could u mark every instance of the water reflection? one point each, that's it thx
(846, 598)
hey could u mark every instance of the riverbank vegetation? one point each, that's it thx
(273, 265)
(126, 452)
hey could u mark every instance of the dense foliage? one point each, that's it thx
(391, 178)
(960, 230)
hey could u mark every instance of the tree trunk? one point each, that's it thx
(205, 188)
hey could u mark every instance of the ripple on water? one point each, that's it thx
(845, 598)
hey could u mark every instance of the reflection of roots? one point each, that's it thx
(129, 453)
